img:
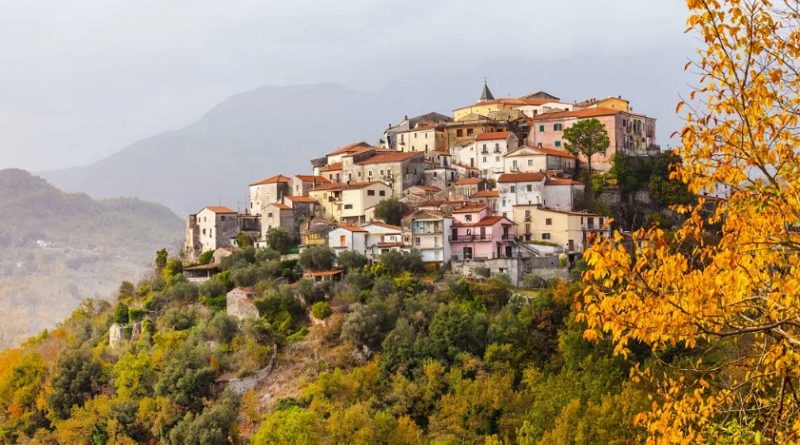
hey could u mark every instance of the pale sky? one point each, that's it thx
(82, 79)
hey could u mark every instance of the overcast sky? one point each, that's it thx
(84, 78)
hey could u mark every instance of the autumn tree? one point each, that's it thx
(725, 286)
(586, 137)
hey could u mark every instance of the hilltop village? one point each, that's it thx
(491, 188)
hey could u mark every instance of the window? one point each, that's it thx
(497, 159)
(204, 231)
(342, 241)
(497, 146)
(467, 217)
(269, 215)
(382, 193)
(469, 131)
(484, 146)
(417, 241)
(459, 133)
(222, 218)
(359, 174)
(415, 135)
(434, 174)
(348, 206)
(529, 187)
(514, 163)
(513, 189)
(530, 162)
(381, 172)
(557, 127)
(558, 143)
(370, 192)
(369, 173)
(548, 221)
(541, 128)
(545, 236)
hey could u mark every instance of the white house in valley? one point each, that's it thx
(382, 237)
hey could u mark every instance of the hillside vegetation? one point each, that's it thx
(388, 355)
(59, 248)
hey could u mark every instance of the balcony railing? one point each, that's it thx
(467, 238)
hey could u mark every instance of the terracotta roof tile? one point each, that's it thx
(470, 209)
(355, 229)
(390, 244)
(562, 181)
(383, 224)
(324, 273)
(273, 180)
(382, 158)
(312, 178)
(331, 167)
(487, 194)
(348, 148)
(555, 152)
(301, 198)
(520, 177)
(220, 209)
(280, 205)
(580, 114)
(468, 181)
(493, 136)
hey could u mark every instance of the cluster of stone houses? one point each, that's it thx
(492, 183)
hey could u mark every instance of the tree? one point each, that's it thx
(77, 377)
(278, 239)
(350, 260)
(724, 285)
(318, 258)
(390, 211)
(587, 137)
(161, 259)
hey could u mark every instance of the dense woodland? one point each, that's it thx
(400, 356)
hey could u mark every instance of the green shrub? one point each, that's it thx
(206, 257)
(321, 310)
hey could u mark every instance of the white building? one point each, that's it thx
(427, 231)
(216, 225)
(382, 237)
(560, 193)
(490, 151)
(539, 159)
(352, 238)
(519, 188)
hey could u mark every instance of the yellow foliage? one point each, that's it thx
(726, 283)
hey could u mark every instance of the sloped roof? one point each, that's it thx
(312, 178)
(579, 114)
(302, 198)
(348, 148)
(486, 194)
(486, 94)
(470, 209)
(383, 224)
(331, 167)
(521, 177)
(345, 186)
(273, 180)
(555, 152)
(280, 205)
(468, 181)
(562, 181)
(220, 209)
(395, 156)
(493, 136)
(354, 229)
(427, 188)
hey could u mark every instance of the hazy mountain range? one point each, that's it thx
(274, 129)
(61, 248)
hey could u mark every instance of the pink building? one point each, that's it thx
(477, 233)
(629, 133)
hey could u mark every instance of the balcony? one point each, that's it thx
(469, 238)
(507, 236)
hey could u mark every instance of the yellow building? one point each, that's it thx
(614, 103)
(350, 202)
(574, 231)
